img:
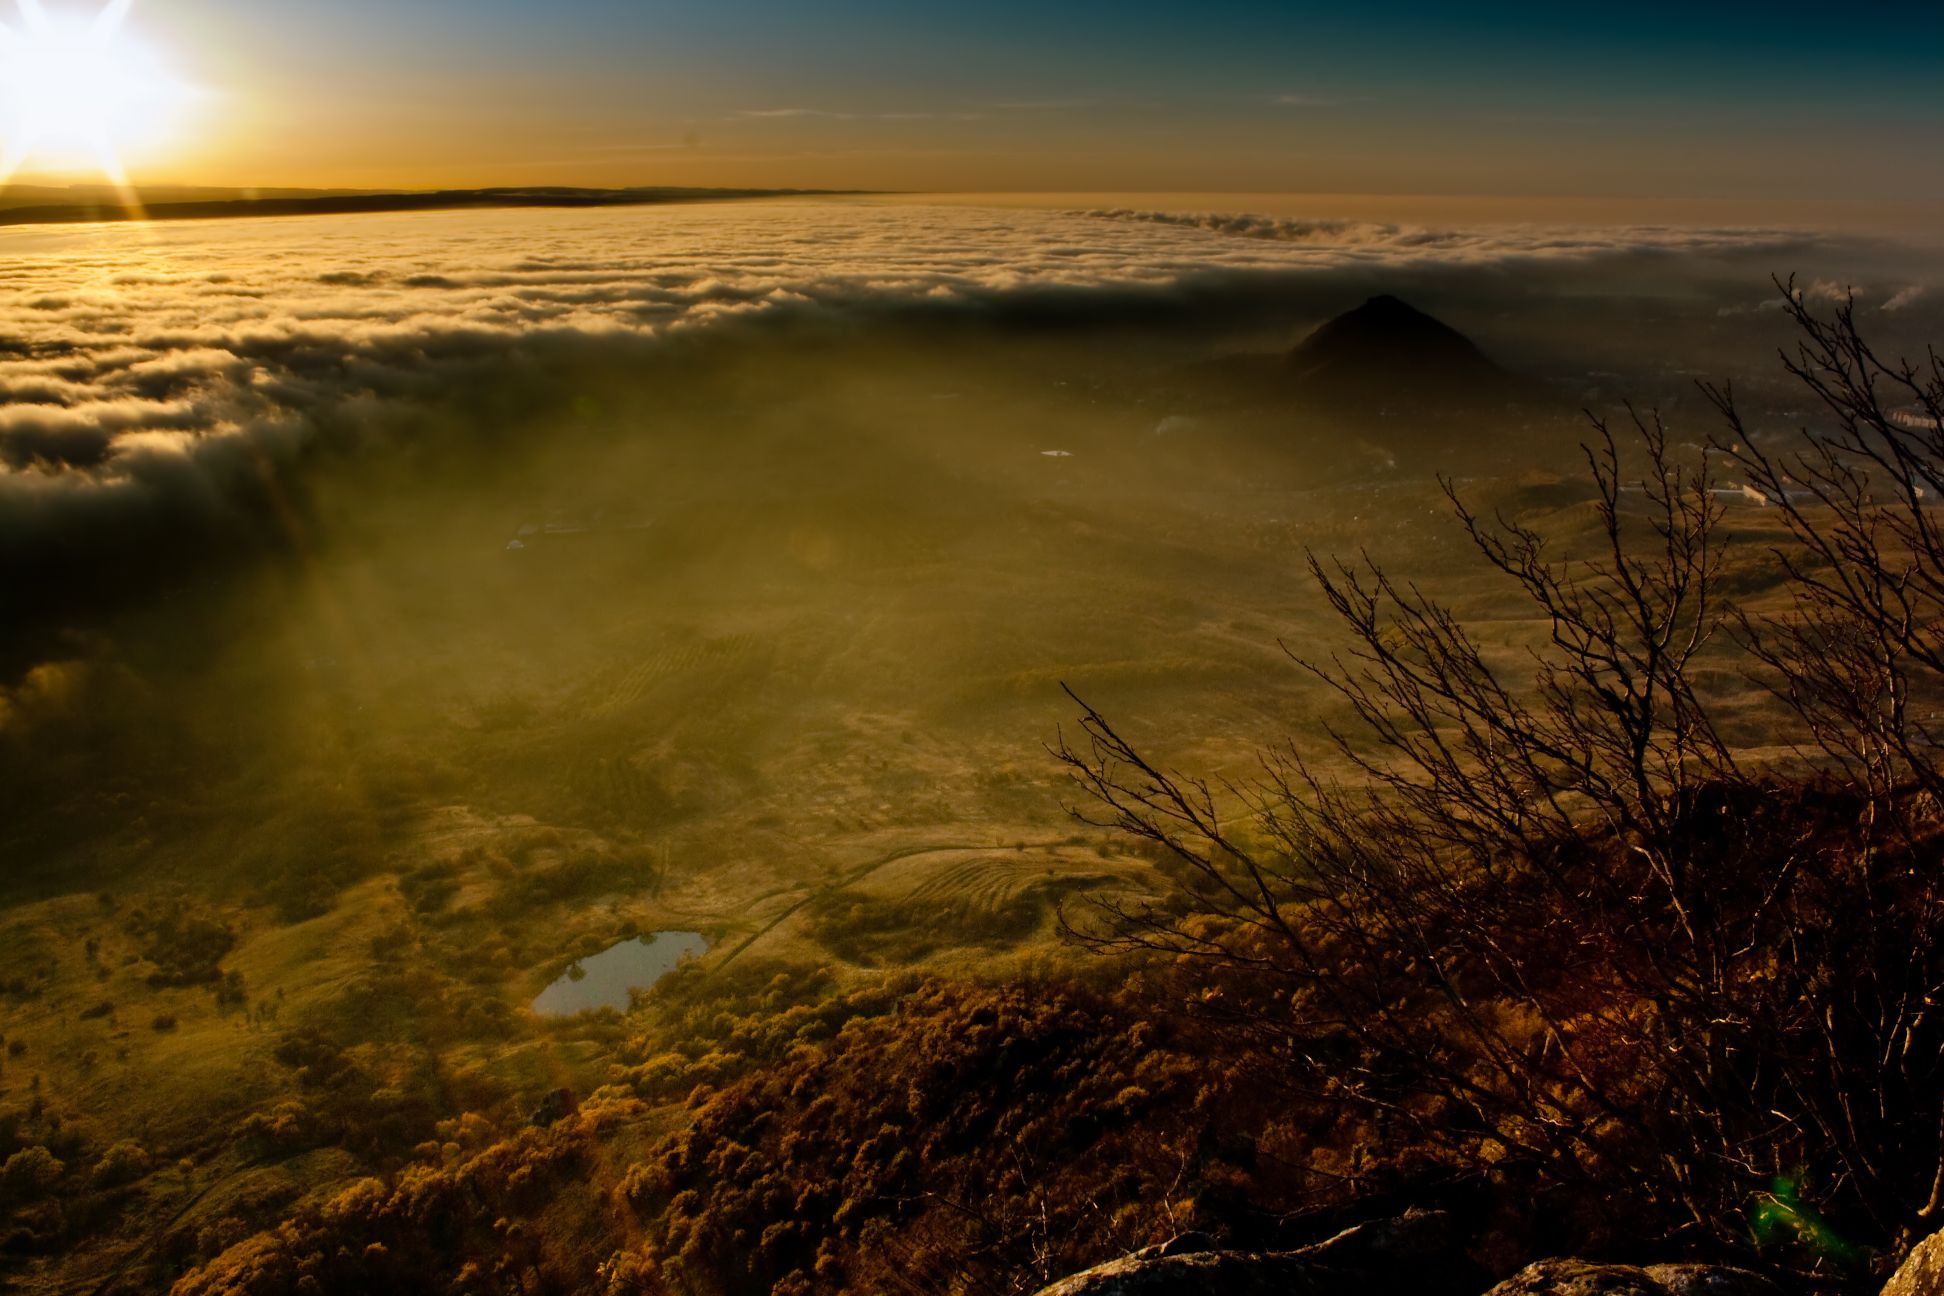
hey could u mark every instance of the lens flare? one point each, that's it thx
(79, 92)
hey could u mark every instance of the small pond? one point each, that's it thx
(603, 980)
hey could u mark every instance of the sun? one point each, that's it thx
(78, 92)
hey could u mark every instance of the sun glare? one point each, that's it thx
(78, 92)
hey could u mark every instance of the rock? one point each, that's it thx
(1233, 1273)
(1584, 1278)
(1578, 1278)
(1922, 1272)
(1415, 1252)
(1419, 1252)
(1711, 1280)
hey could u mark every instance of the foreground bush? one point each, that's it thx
(968, 1139)
(975, 1140)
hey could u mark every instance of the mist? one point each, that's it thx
(592, 518)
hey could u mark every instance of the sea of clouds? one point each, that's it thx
(120, 344)
(146, 371)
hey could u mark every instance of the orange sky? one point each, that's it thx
(1696, 101)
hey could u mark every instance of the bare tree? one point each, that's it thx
(1549, 921)
(1859, 659)
(1862, 658)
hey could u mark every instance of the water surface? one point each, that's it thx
(604, 980)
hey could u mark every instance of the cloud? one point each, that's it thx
(793, 112)
(45, 690)
(199, 327)
(1310, 101)
(1826, 291)
(1906, 296)
(161, 388)
(828, 114)
(1346, 242)
(1817, 292)
(1042, 105)
(83, 435)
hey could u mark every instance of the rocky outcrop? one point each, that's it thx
(1236, 1273)
(1417, 1252)
(1711, 1280)
(1583, 1278)
(1922, 1273)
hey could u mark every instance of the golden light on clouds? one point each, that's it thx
(78, 92)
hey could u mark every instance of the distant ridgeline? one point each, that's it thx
(44, 205)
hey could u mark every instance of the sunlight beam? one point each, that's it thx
(78, 92)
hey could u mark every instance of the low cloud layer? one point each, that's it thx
(121, 338)
(150, 378)
(1340, 242)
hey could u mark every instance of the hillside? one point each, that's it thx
(1387, 354)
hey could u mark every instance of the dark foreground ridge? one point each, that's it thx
(1422, 1251)
(108, 208)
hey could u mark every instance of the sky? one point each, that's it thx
(1754, 102)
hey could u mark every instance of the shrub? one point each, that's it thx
(186, 948)
(986, 1138)
(31, 1173)
(122, 1163)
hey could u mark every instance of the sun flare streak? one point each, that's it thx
(78, 92)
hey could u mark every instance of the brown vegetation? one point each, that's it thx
(974, 1140)
(944, 1138)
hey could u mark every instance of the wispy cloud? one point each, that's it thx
(1042, 105)
(794, 112)
(1301, 100)
(1379, 243)
(832, 114)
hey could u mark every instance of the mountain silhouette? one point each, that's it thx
(1387, 353)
